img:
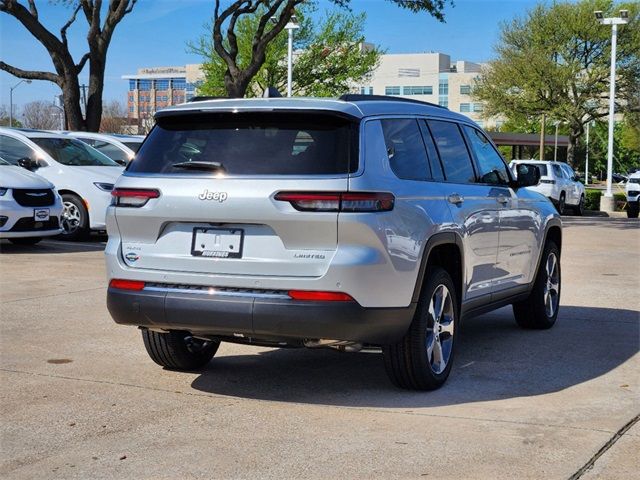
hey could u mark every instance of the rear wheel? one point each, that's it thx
(25, 241)
(540, 310)
(178, 350)
(632, 210)
(561, 203)
(75, 218)
(422, 359)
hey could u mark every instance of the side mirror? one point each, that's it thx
(527, 175)
(29, 164)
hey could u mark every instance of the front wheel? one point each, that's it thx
(540, 309)
(178, 350)
(579, 209)
(422, 359)
(632, 210)
(75, 218)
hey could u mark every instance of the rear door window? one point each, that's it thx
(453, 152)
(405, 148)
(250, 144)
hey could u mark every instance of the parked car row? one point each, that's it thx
(72, 171)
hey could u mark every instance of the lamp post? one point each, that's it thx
(586, 161)
(607, 202)
(11, 100)
(555, 145)
(290, 27)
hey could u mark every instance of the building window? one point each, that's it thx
(179, 83)
(144, 85)
(427, 90)
(132, 85)
(443, 101)
(465, 89)
(465, 107)
(131, 98)
(392, 90)
(162, 84)
(366, 90)
(131, 109)
(443, 86)
(478, 107)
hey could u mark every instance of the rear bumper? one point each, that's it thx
(259, 316)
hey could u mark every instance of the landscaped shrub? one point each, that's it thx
(592, 199)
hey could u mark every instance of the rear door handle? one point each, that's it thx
(455, 198)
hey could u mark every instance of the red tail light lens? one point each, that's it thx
(126, 284)
(320, 296)
(338, 201)
(133, 197)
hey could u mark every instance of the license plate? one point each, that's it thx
(40, 214)
(217, 242)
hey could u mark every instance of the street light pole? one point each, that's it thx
(290, 27)
(555, 145)
(11, 100)
(614, 22)
(586, 161)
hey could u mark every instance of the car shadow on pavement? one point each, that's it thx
(94, 243)
(606, 222)
(494, 360)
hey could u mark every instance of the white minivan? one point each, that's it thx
(83, 176)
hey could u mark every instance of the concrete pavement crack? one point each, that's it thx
(364, 409)
(52, 295)
(616, 436)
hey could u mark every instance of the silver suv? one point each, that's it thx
(358, 222)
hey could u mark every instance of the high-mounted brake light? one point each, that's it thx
(320, 296)
(135, 285)
(338, 201)
(133, 197)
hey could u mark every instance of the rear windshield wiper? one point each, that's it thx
(199, 165)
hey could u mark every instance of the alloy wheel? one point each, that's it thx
(552, 285)
(71, 217)
(440, 329)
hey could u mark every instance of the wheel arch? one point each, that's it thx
(444, 250)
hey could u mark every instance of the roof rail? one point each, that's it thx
(356, 97)
(200, 98)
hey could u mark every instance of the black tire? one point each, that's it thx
(533, 313)
(632, 210)
(76, 225)
(177, 350)
(408, 362)
(25, 240)
(579, 209)
(562, 202)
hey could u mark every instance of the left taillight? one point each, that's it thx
(133, 197)
(135, 285)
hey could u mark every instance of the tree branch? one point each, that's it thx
(33, 9)
(63, 30)
(231, 34)
(30, 74)
(82, 62)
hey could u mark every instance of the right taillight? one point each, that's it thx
(133, 197)
(338, 201)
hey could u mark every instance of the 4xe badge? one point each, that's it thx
(132, 256)
(216, 196)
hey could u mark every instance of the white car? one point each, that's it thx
(633, 195)
(30, 208)
(82, 176)
(559, 183)
(131, 141)
(111, 146)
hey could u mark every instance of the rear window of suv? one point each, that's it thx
(250, 144)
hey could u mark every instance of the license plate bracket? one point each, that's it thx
(216, 242)
(41, 214)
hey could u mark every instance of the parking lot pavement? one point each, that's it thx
(81, 399)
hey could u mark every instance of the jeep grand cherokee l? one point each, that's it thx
(361, 221)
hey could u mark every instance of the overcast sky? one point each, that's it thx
(156, 32)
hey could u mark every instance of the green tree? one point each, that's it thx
(67, 70)
(273, 17)
(328, 61)
(555, 61)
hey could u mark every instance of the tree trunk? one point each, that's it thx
(71, 102)
(574, 135)
(96, 87)
(236, 87)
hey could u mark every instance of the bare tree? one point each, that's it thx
(66, 73)
(276, 14)
(114, 117)
(41, 115)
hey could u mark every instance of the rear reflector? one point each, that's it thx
(320, 296)
(133, 197)
(126, 284)
(338, 201)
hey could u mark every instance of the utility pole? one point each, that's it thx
(544, 121)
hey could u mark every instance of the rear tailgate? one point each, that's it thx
(222, 218)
